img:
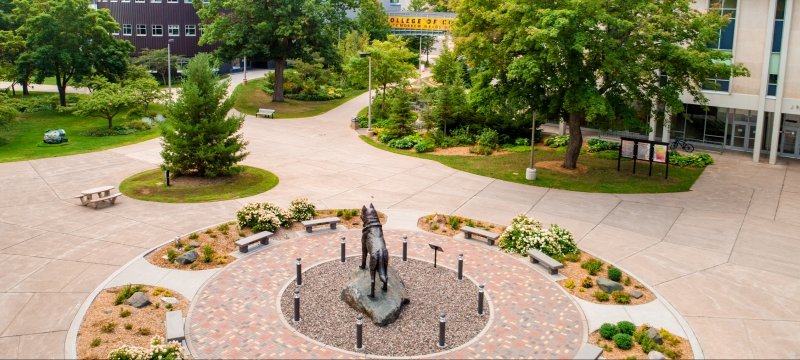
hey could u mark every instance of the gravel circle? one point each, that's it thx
(432, 291)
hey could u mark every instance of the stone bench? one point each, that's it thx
(314, 222)
(490, 236)
(174, 326)
(262, 237)
(111, 199)
(548, 262)
(266, 113)
(589, 351)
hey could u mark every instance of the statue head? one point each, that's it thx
(369, 215)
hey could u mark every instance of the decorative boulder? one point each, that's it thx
(655, 355)
(609, 286)
(56, 136)
(636, 294)
(386, 306)
(194, 244)
(169, 300)
(655, 335)
(187, 258)
(138, 300)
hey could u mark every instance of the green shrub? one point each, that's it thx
(96, 342)
(627, 281)
(424, 146)
(138, 125)
(126, 292)
(693, 160)
(621, 297)
(522, 142)
(587, 282)
(557, 141)
(171, 255)
(623, 341)
(526, 233)
(607, 155)
(193, 236)
(108, 327)
(128, 326)
(123, 313)
(569, 284)
(597, 145)
(647, 343)
(263, 217)
(405, 142)
(626, 327)
(614, 273)
(208, 254)
(224, 228)
(302, 209)
(488, 138)
(145, 331)
(574, 257)
(158, 350)
(601, 296)
(454, 222)
(608, 330)
(593, 266)
(462, 137)
(168, 307)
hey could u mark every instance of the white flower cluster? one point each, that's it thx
(158, 350)
(302, 209)
(525, 233)
(263, 217)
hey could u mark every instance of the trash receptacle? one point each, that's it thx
(354, 123)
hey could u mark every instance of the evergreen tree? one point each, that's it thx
(401, 118)
(199, 138)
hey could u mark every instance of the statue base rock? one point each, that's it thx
(386, 306)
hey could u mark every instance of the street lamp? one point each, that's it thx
(245, 70)
(169, 68)
(530, 172)
(369, 111)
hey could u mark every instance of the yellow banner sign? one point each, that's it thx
(420, 23)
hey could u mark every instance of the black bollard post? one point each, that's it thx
(166, 176)
(480, 300)
(343, 244)
(442, 321)
(296, 305)
(405, 248)
(460, 266)
(299, 273)
(359, 332)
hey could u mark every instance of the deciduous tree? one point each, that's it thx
(390, 64)
(156, 60)
(106, 102)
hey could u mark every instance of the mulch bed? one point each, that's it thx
(680, 346)
(144, 323)
(573, 270)
(221, 238)
(350, 218)
(432, 291)
(440, 224)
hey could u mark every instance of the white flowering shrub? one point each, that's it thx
(525, 233)
(158, 351)
(263, 217)
(301, 209)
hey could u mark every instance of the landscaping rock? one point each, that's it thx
(636, 294)
(169, 300)
(655, 355)
(187, 258)
(194, 244)
(655, 335)
(609, 286)
(386, 306)
(138, 300)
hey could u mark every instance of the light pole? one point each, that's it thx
(369, 86)
(169, 68)
(530, 172)
(420, 61)
(245, 71)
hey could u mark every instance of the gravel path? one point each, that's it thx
(329, 320)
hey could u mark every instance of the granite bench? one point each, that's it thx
(174, 326)
(548, 262)
(262, 237)
(332, 221)
(469, 231)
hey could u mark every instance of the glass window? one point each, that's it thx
(139, 1)
(158, 30)
(115, 32)
(174, 30)
(141, 30)
(777, 36)
(172, 1)
(187, 1)
(191, 30)
(126, 1)
(155, 1)
(127, 29)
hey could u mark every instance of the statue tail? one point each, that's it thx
(383, 265)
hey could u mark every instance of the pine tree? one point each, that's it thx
(401, 118)
(199, 138)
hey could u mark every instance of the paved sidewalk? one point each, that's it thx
(724, 254)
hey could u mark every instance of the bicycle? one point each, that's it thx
(683, 144)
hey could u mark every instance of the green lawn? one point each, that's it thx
(250, 98)
(149, 186)
(602, 175)
(23, 140)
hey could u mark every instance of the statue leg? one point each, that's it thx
(373, 267)
(384, 268)
(363, 252)
(372, 289)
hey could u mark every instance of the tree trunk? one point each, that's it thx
(25, 91)
(575, 140)
(62, 94)
(277, 94)
(109, 122)
(13, 91)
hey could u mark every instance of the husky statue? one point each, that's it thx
(372, 243)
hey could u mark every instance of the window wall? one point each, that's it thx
(725, 42)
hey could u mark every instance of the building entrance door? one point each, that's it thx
(789, 145)
(741, 135)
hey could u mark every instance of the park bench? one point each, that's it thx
(469, 231)
(111, 199)
(266, 113)
(174, 326)
(314, 222)
(262, 237)
(548, 262)
(589, 351)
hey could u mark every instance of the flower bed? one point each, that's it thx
(107, 326)
(576, 282)
(212, 245)
(525, 233)
(449, 225)
(609, 339)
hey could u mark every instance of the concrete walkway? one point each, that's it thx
(724, 254)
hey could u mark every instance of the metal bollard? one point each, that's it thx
(299, 273)
(359, 332)
(442, 322)
(296, 305)
(460, 266)
(480, 300)
(405, 248)
(343, 245)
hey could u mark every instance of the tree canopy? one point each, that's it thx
(372, 19)
(592, 59)
(156, 60)
(106, 102)
(390, 64)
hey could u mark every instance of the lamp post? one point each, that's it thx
(420, 61)
(245, 71)
(369, 86)
(169, 68)
(530, 172)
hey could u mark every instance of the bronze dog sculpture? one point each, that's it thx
(372, 243)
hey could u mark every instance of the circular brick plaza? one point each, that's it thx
(237, 313)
